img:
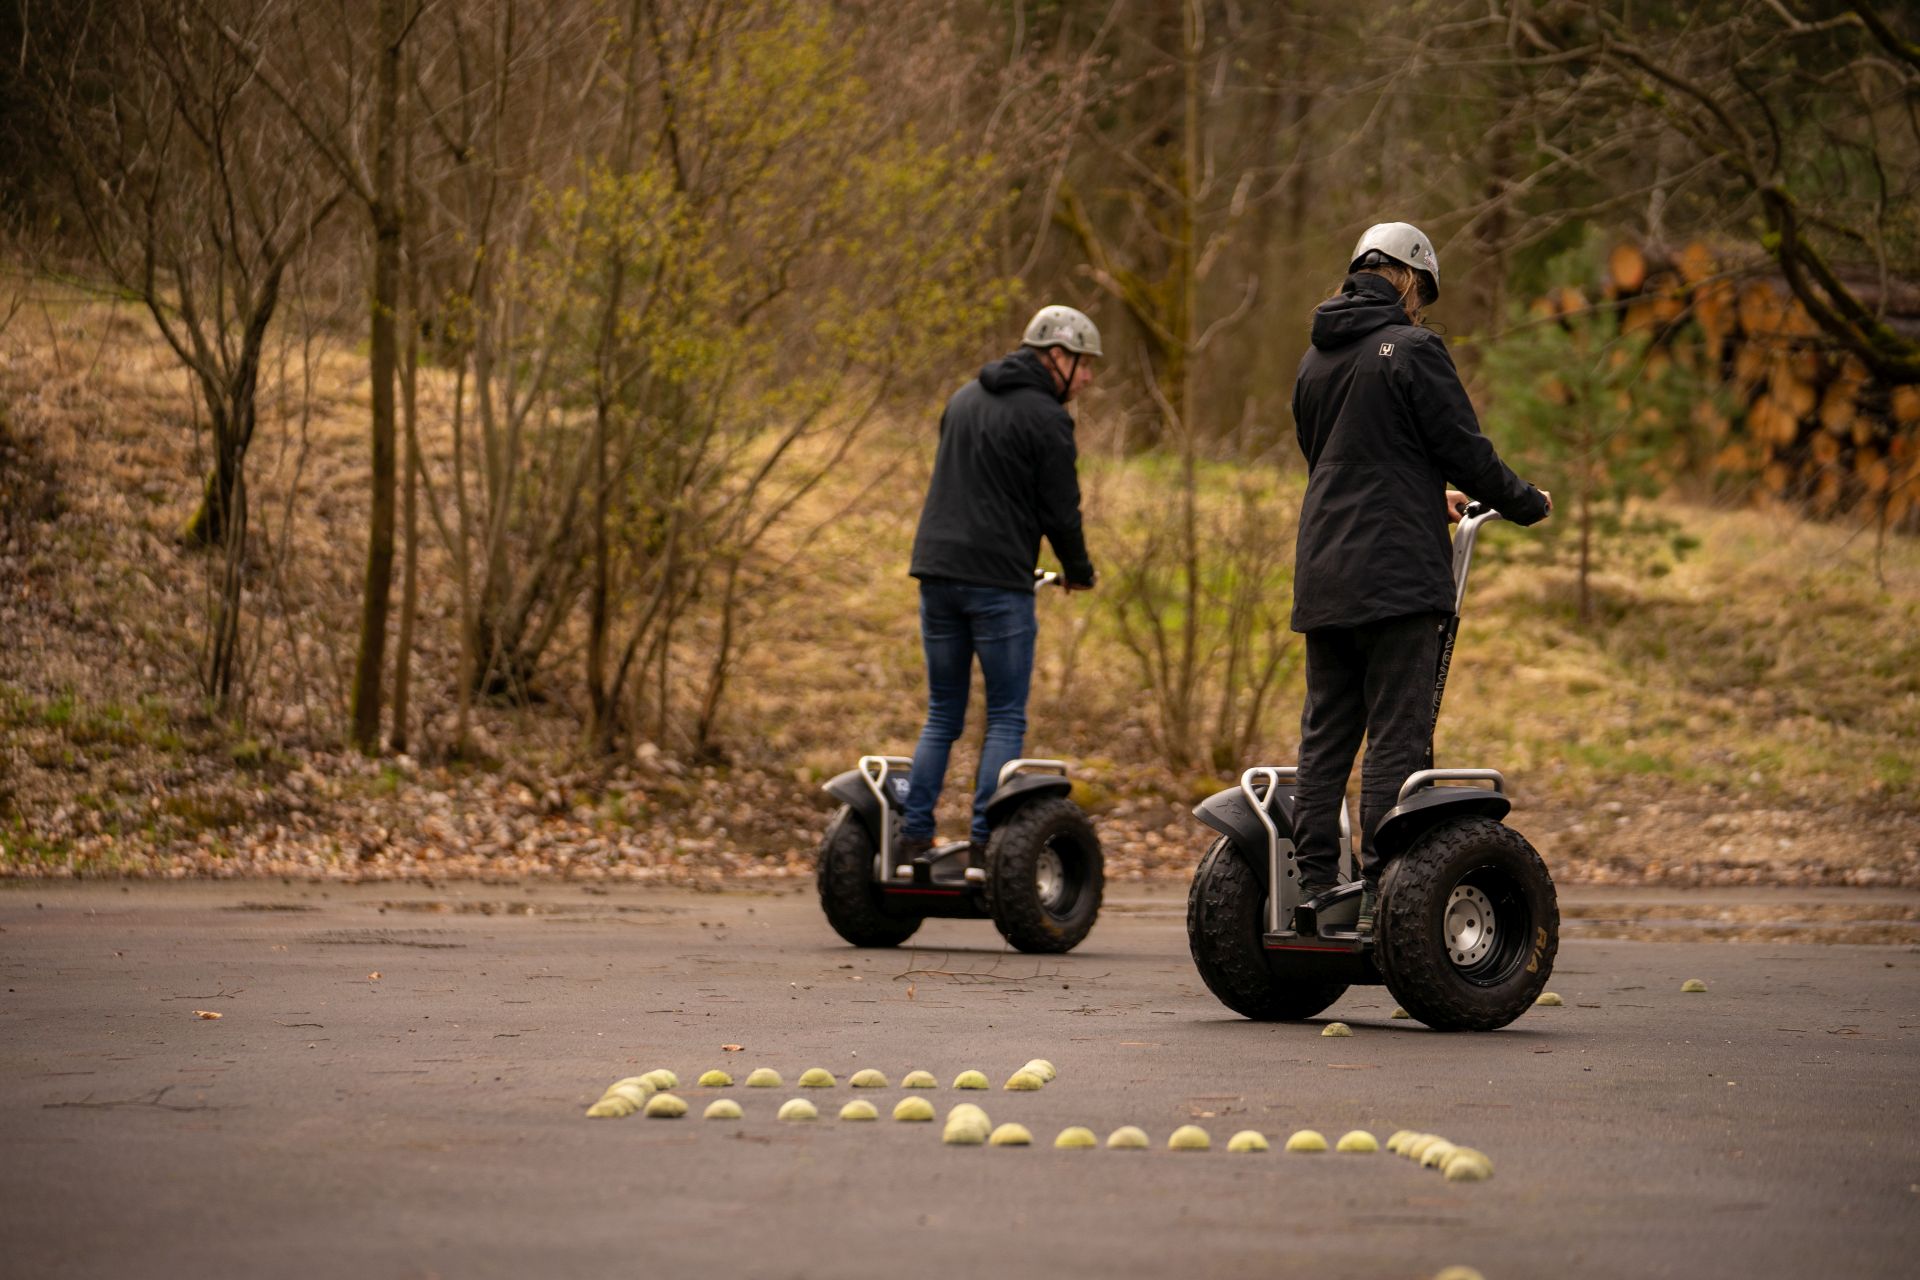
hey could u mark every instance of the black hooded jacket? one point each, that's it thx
(1385, 426)
(1003, 476)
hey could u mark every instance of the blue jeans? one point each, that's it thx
(959, 622)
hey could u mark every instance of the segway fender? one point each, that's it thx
(1429, 807)
(1021, 788)
(851, 790)
(1231, 814)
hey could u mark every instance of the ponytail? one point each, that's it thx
(1402, 279)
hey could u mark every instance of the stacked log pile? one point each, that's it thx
(1808, 425)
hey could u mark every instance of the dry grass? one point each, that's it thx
(1754, 715)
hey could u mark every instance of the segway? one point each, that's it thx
(1041, 885)
(1467, 924)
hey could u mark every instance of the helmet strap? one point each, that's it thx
(1066, 387)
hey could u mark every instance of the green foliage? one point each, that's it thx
(1206, 619)
(1599, 418)
(704, 310)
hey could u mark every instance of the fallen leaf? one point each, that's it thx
(910, 989)
(374, 976)
(208, 1014)
(731, 1048)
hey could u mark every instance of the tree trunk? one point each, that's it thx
(1186, 261)
(370, 663)
(410, 522)
(409, 514)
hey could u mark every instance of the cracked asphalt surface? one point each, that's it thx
(427, 1121)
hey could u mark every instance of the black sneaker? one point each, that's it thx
(1369, 903)
(911, 848)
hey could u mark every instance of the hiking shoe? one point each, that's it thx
(911, 848)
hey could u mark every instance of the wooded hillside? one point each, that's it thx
(524, 391)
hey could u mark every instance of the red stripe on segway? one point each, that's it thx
(1332, 951)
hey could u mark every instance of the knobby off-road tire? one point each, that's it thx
(1226, 930)
(855, 907)
(1438, 960)
(1045, 875)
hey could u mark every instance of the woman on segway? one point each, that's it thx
(1384, 423)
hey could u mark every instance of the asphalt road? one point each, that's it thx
(396, 1089)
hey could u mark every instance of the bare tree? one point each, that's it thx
(194, 200)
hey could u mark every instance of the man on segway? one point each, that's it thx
(1003, 477)
(1384, 423)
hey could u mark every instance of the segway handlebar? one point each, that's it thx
(1476, 515)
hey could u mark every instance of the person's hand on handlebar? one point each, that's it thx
(1456, 505)
(1071, 585)
(1549, 497)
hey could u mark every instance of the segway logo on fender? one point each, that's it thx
(1386, 348)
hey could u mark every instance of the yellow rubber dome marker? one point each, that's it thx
(1306, 1141)
(1357, 1142)
(1247, 1140)
(1189, 1137)
(913, 1109)
(635, 1093)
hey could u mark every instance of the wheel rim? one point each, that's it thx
(1486, 925)
(1470, 925)
(1050, 878)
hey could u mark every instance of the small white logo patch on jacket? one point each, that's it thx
(1386, 348)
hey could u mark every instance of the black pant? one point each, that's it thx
(1375, 680)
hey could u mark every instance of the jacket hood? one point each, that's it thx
(1020, 369)
(1366, 302)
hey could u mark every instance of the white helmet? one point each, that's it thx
(1062, 327)
(1404, 243)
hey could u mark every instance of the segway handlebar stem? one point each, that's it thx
(1463, 540)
